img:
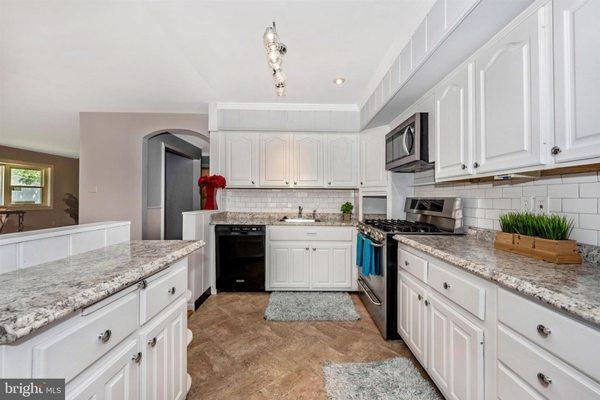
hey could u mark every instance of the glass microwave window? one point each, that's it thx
(389, 155)
(427, 205)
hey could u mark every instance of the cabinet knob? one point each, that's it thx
(295, 183)
(406, 263)
(105, 336)
(544, 379)
(137, 357)
(543, 330)
(419, 297)
(555, 150)
(287, 182)
(475, 164)
(463, 166)
(314, 249)
(172, 290)
(446, 285)
(361, 183)
(307, 248)
(329, 183)
(427, 302)
(152, 342)
(253, 182)
(143, 284)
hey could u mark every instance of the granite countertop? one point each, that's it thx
(574, 289)
(239, 218)
(34, 297)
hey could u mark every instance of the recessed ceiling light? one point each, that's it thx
(339, 81)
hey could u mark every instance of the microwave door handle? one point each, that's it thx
(404, 144)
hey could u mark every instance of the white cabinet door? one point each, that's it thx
(341, 159)
(412, 318)
(274, 167)
(512, 97)
(372, 159)
(455, 352)
(321, 274)
(453, 125)
(307, 159)
(164, 348)
(116, 378)
(577, 87)
(331, 265)
(289, 265)
(241, 159)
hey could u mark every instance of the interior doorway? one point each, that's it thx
(179, 192)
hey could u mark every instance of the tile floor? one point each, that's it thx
(236, 354)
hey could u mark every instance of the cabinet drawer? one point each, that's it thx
(511, 387)
(464, 293)
(310, 233)
(534, 365)
(413, 264)
(163, 290)
(564, 337)
(68, 353)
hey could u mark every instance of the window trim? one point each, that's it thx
(47, 176)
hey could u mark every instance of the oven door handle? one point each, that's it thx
(373, 242)
(367, 291)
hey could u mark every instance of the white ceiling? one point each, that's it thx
(60, 57)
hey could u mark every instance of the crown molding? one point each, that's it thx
(286, 107)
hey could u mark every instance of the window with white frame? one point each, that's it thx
(25, 185)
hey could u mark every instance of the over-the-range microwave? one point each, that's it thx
(407, 146)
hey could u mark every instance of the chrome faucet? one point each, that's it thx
(314, 215)
(299, 211)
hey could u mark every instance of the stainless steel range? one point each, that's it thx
(424, 216)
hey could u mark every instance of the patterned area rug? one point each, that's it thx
(394, 379)
(311, 306)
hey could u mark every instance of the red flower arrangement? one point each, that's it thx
(211, 183)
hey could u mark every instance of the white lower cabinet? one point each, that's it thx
(310, 258)
(164, 362)
(115, 378)
(412, 324)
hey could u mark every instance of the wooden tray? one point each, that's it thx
(554, 251)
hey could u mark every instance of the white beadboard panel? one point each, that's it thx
(44, 250)
(395, 74)
(86, 241)
(436, 23)
(574, 196)
(419, 44)
(8, 258)
(405, 62)
(118, 234)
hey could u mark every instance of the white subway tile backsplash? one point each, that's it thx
(570, 190)
(285, 200)
(581, 206)
(574, 196)
(589, 190)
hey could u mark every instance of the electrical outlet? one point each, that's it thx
(541, 205)
(527, 203)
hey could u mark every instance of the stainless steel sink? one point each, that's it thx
(298, 220)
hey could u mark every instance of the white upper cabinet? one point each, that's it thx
(241, 159)
(341, 156)
(372, 159)
(455, 10)
(512, 96)
(419, 44)
(453, 124)
(308, 160)
(577, 87)
(274, 160)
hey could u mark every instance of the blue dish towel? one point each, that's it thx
(371, 258)
(359, 249)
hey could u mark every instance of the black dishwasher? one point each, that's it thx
(240, 258)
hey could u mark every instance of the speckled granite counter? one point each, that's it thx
(574, 289)
(239, 218)
(34, 297)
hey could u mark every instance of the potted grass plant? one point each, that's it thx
(539, 236)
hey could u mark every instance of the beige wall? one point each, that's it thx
(64, 180)
(110, 155)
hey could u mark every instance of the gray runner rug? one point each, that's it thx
(394, 379)
(311, 306)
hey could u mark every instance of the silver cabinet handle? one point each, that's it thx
(152, 342)
(143, 284)
(446, 285)
(105, 336)
(172, 290)
(137, 357)
(544, 379)
(543, 330)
